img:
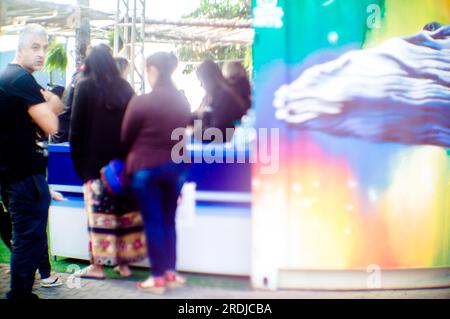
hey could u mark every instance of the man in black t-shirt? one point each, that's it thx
(27, 112)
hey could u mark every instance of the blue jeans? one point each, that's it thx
(28, 203)
(156, 191)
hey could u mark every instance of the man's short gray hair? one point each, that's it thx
(28, 31)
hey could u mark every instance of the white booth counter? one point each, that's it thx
(213, 220)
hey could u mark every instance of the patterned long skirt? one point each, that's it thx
(116, 232)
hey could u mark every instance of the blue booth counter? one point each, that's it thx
(214, 177)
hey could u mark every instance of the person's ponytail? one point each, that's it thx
(165, 62)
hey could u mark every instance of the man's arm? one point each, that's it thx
(42, 106)
(45, 114)
(44, 117)
(53, 101)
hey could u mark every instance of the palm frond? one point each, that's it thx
(56, 58)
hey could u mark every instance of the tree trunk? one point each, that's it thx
(82, 33)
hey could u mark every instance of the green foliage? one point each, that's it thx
(110, 35)
(56, 58)
(223, 9)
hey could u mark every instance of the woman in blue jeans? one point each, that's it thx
(155, 176)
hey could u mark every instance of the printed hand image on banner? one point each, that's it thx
(360, 93)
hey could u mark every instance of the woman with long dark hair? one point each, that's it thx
(156, 179)
(115, 225)
(235, 73)
(222, 107)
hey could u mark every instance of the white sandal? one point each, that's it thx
(152, 285)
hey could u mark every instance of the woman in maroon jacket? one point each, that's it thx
(156, 180)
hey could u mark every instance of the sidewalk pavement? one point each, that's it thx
(75, 288)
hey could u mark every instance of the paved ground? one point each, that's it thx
(198, 289)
